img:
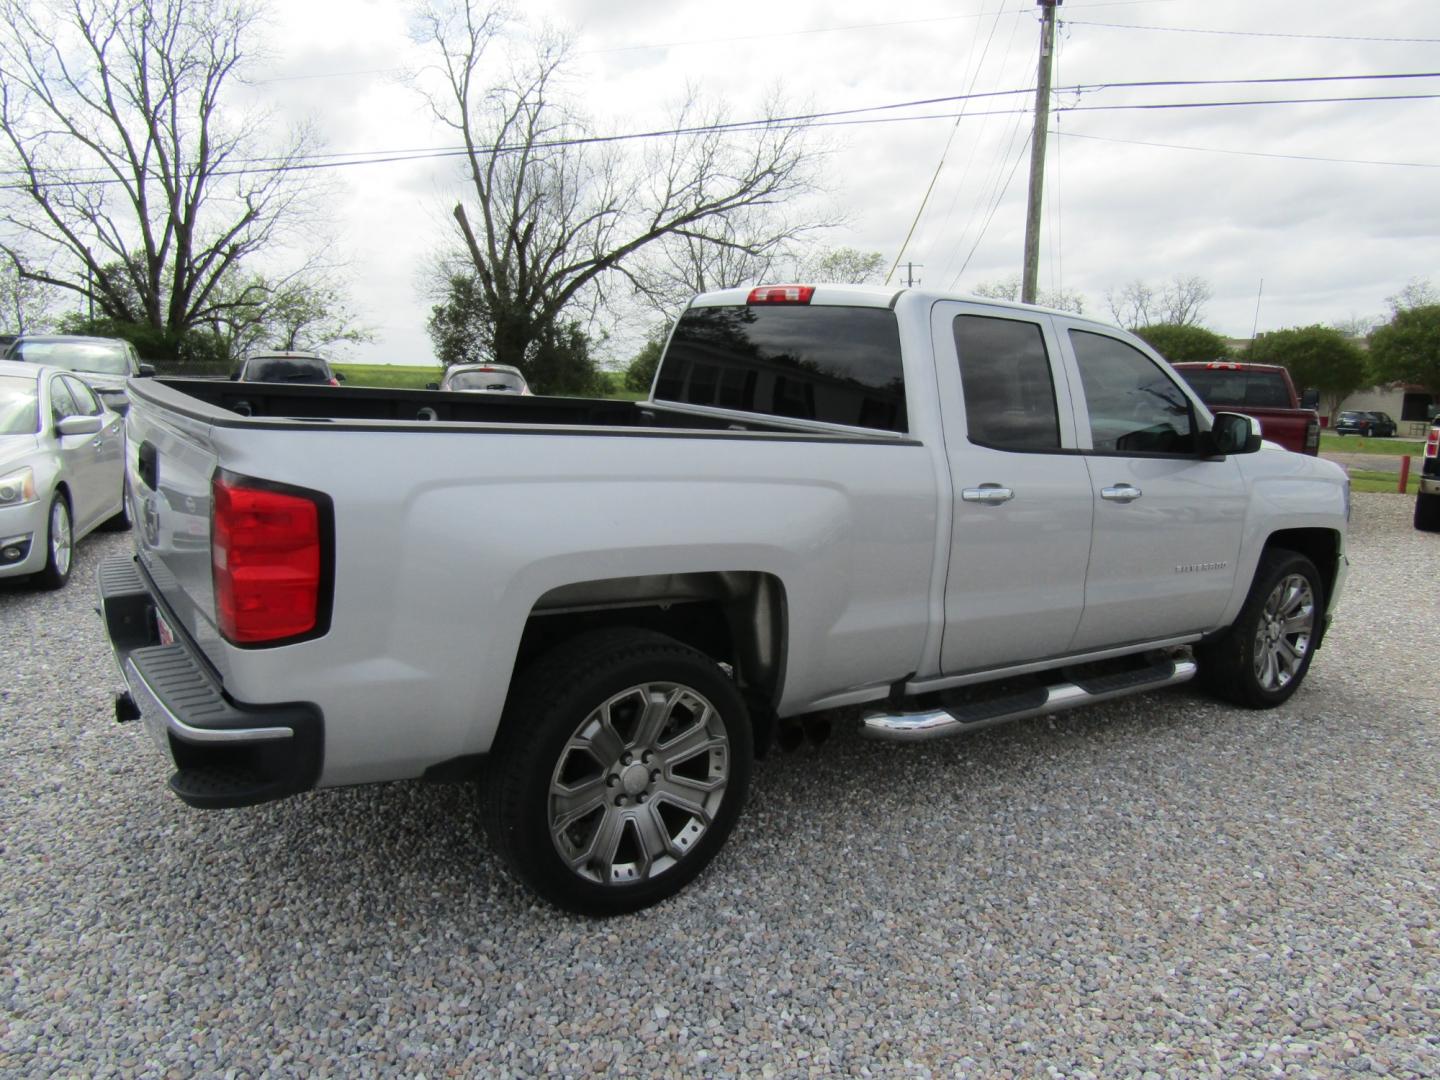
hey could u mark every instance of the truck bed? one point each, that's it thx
(337, 405)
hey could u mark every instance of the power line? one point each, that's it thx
(1250, 153)
(820, 119)
(1256, 33)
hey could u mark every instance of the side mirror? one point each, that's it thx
(234, 376)
(147, 370)
(78, 425)
(1232, 433)
(432, 386)
(339, 376)
(1310, 399)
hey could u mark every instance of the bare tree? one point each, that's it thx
(554, 217)
(1180, 302)
(1132, 305)
(1418, 292)
(26, 306)
(144, 189)
(1183, 300)
(1009, 289)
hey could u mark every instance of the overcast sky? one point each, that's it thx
(1235, 194)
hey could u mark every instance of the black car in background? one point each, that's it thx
(1352, 422)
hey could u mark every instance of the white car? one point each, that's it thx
(484, 379)
(104, 363)
(62, 470)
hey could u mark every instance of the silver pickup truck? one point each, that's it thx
(935, 512)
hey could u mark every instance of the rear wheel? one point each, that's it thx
(59, 545)
(1427, 512)
(120, 520)
(621, 766)
(1262, 659)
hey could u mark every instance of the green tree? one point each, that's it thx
(640, 372)
(1316, 356)
(844, 265)
(1407, 348)
(1184, 344)
(173, 352)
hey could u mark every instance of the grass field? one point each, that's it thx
(1387, 483)
(1358, 444)
(409, 378)
(415, 378)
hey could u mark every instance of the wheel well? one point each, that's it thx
(736, 618)
(1320, 546)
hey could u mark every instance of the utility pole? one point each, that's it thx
(910, 269)
(1031, 274)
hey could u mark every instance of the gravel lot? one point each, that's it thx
(1161, 886)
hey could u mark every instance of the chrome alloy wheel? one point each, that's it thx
(1283, 633)
(638, 783)
(61, 542)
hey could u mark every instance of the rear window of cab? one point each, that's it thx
(837, 365)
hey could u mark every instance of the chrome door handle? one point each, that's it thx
(1121, 493)
(989, 494)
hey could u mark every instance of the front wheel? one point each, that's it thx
(1262, 659)
(621, 766)
(59, 545)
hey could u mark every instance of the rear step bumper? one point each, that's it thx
(226, 753)
(937, 723)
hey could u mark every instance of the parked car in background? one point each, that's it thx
(62, 470)
(483, 379)
(104, 363)
(1263, 391)
(1383, 426)
(1427, 501)
(287, 367)
(1353, 422)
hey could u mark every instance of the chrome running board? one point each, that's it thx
(938, 723)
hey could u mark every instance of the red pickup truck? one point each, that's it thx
(1263, 391)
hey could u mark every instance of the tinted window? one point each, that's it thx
(86, 403)
(840, 365)
(1135, 408)
(1009, 392)
(1224, 386)
(287, 369)
(18, 412)
(103, 357)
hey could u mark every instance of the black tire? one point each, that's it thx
(59, 545)
(642, 845)
(1427, 512)
(1262, 659)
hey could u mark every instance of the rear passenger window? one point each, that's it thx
(838, 365)
(1135, 408)
(1009, 391)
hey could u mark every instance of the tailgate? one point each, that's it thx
(170, 460)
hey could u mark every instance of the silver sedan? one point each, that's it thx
(62, 470)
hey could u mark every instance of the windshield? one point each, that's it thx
(103, 357)
(487, 380)
(18, 412)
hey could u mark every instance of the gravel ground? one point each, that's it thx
(1161, 886)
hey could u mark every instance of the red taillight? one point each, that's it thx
(1432, 444)
(782, 294)
(265, 552)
